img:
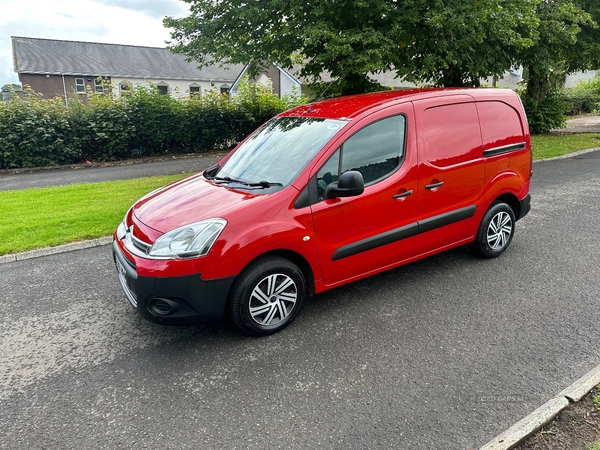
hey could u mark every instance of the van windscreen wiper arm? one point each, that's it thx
(262, 183)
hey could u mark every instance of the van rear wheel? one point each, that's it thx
(495, 231)
(267, 296)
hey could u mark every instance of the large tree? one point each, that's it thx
(447, 42)
(347, 38)
(457, 43)
(565, 41)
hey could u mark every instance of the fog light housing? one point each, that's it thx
(162, 306)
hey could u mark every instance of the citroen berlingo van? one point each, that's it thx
(326, 194)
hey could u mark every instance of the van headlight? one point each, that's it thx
(189, 241)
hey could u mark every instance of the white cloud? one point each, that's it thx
(131, 22)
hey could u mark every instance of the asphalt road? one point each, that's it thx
(443, 353)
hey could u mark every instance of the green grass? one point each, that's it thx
(550, 145)
(45, 217)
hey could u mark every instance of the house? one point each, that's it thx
(63, 68)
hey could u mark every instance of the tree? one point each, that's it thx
(558, 47)
(587, 55)
(450, 44)
(459, 43)
(348, 38)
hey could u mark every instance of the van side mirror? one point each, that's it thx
(350, 184)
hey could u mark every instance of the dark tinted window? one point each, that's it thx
(375, 151)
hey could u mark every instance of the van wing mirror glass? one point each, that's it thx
(350, 184)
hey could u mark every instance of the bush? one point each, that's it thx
(548, 114)
(585, 96)
(35, 132)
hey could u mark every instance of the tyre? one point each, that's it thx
(495, 231)
(267, 296)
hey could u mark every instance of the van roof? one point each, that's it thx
(352, 106)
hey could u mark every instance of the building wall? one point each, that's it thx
(177, 88)
(287, 84)
(575, 78)
(51, 86)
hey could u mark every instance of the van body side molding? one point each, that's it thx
(504, 149)
(403, 232)
(446, 219)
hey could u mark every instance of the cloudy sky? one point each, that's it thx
(132, 22)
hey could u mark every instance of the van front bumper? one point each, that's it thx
(172, 300)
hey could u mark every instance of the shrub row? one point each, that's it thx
(35, 132)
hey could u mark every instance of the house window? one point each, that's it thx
(125, 87)
(163, 88)
(194, 91)
(225, 89)
(80, 85)
(98, 85)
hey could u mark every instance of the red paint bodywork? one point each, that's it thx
(258, 224)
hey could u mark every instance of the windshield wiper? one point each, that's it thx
(261, 184)
(227, 180)
(264, 184)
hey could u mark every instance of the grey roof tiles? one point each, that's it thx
(49, 56)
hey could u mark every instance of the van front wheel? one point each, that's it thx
(267, 296)
(495, 231)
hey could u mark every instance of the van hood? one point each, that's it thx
(190, 200)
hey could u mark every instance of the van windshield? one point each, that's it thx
(277, 152)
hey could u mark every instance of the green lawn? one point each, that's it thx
(44, 217)
(548, 146)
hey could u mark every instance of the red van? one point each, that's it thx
(325, 194)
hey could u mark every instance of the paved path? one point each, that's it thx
(118, 171)
(581, 124)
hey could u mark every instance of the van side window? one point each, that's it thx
(375, 151)
(453, 135)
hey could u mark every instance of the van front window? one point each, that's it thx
(278, 152)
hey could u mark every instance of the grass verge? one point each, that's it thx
(551, 145)
(45, 217)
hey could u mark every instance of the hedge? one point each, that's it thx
(35, 132)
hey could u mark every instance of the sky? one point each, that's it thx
(130, 22)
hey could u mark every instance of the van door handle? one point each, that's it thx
(403, 194)
(434, 185)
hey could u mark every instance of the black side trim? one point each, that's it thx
(504, 149)
(376, 241)
(403, 232)
(446, 218)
